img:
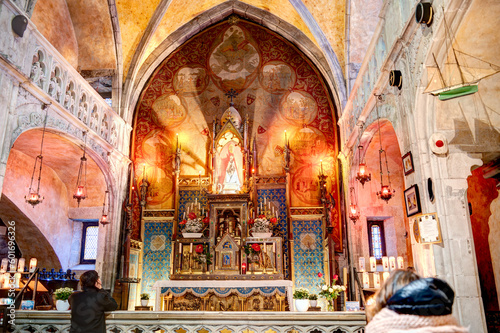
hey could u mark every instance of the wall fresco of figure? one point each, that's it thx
(278, 89)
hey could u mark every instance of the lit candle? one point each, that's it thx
(265, 250)
(6, 280)
(362, 264)
(184, 217)
(180, 247)
(191, 248)
(13, 265)
(144, 172)
(131, 183)
(33, 263)
(3, 267)
(177, 144)
(20, 265)
(243, 268)
(285, 138)
(401, 263)
(376, 280)
(385, 264)
(17, 278)
(392, 263)
(265, 200)
(321, 163)
(386, 275)
(366, 280)
(373, 264)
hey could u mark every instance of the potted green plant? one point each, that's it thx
(144, 299)
(313, 300)
(301, 297)
(61, 295)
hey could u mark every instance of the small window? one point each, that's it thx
(88, 254)
(376, 239)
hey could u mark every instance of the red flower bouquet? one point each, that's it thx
(251, 221)
(206, 220)
(183, 222)
(256, 247)
(262, 216)
(273, 220)
(199, 248)
(192, 216)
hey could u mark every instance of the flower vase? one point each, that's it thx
(313, 303)
(144, 302)
(62, 305)
(331, 305)
(301, 305)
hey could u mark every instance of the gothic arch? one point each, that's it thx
(138, 77)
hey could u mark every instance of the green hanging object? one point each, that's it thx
(457, 92)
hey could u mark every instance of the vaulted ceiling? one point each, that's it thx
(109, 35)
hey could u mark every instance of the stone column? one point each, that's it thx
(454, 258)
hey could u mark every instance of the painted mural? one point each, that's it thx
(277, 89)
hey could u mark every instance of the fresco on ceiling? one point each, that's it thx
(278, 89)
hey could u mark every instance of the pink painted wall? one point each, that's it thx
(51, 216)
(394, 212)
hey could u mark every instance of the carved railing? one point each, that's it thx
(45, 69)
(198, 321)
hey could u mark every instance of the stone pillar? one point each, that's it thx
(454, 258)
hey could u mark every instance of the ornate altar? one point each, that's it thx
(224, 232)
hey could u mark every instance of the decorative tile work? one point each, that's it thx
(186, 196)
(308, 253)
(156, 264)
(278, 195)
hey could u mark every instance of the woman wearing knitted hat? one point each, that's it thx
(408, 303)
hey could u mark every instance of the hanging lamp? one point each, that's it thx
(362, 175)
(34, 197)
(386, 192)
(353, 208)
(105, 212)
(81, 182)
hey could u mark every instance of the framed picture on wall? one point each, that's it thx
(408, 163)
(412, 201)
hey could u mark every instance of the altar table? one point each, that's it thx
(243, 288)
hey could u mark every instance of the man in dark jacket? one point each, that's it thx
(89, 305)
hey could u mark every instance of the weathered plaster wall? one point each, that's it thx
(480, 194)
(494, 240)
(330, 16)
(52, 18)
(93, 30)
(134, 17)
(51, 216)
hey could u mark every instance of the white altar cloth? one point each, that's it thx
(223, 284)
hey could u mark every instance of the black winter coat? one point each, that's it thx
(87, 310)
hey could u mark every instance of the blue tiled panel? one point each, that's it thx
(278, 195)
(308, 263)
(156, 264)
(187, 196)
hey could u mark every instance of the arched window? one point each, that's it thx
(376, 239)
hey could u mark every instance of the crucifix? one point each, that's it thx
(231, 94)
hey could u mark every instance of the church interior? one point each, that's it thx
(210, 158)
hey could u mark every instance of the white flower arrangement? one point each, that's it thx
(331, 292)
(192, 224)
